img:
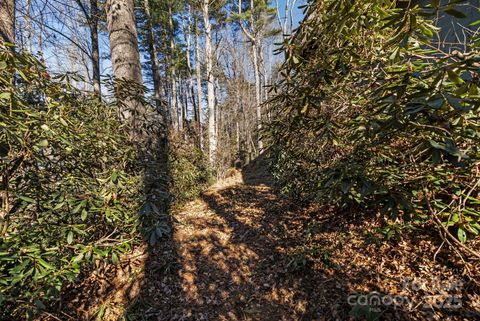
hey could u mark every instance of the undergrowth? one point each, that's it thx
(372, 113)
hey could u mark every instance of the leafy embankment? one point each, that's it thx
(373, 113)
(77, 193)
(71, 186)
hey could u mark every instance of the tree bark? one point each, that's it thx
(185, 104)
(124, 51)
(173, 74)
(182, 103)
(28, 26)
(198, 77)
(93, 25)
(256, 69)
(258, 94)
(7, 21)
(174, 99)
(212, 137)
(153, 58)
(188, 41)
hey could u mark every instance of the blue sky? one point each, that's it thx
(59, 64)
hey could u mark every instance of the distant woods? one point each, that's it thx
(206, 65)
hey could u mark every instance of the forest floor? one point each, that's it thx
(242, 251)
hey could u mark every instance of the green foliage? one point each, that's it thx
(189, 169)
(71, 185)
(372, 112)
(257, 18)
(365, 311)
(391, 231)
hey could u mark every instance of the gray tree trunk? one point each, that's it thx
(124, 51)
(93, 25)
(7, 21)
(28, 26)
(256, 69)
(212, 137)
(258, 93)
(198, 76)
(153, 58)
(173, 77)
(188, 40)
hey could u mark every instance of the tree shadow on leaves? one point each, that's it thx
(245, 252)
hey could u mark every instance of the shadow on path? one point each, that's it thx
(233, 256)
(244, 252)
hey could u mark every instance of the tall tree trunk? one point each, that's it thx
(167, 92)
(92, 16)
(265, 82)
(28, 26)
(173, 73)
(186, 98)
(124, 51)
(174, 99)
(93, 24)
(7, 33)
(212, 137)
(181, 100)
(256, 69)
(152, 49)
(7, 21)
(256, 46)
(258, 93)
(194, 104)
(217, 110)
(198, 76)
(188, 40)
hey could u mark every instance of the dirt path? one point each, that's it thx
(242, 251)
(230, 258)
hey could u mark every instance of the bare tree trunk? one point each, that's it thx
(188, 40)
(256, 69)
(153, 58)
(28, 25)
(7, 21)
(174, 99)
(194, 104)
(93, 24)
(7, 33)
(182, 100)
(198, 76)
(187, 97)
(212, 137)
(173, 74)
(237, 136)
(217, 110)
(124, 50)
(167, 93)
(258, 93)
(266, 76)
(92, 16)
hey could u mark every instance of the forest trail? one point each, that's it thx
(232, 248)
(229, 256)
(243, 251)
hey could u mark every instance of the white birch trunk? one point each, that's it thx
(212, 137)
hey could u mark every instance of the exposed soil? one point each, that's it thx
(244, 252)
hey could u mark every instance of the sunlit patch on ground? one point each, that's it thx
(244, 252)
